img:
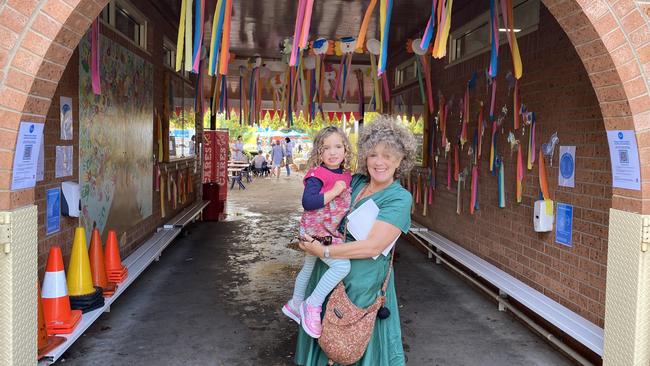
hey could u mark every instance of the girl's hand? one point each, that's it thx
(311, 246)
(340, 187)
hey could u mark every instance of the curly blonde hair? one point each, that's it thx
(315, 158)
(390, 131)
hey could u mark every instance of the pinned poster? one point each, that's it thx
(567, 169)
(28, 148)
(624, 155)
(53, 219)
(66, 118)
(63, 161)
(564, 224)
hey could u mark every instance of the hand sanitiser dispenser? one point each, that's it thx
(543, 219)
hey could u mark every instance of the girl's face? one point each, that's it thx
(382, 162)
(333, 151)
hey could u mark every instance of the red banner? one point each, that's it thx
(215, 158)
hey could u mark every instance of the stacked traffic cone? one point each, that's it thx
(45, 343)
(59, 319)
(114, 269)
(83, 295)
(97, 268)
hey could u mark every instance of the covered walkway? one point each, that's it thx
(214, 299)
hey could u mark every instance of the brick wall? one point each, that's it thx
(69, 87)
(557, 88)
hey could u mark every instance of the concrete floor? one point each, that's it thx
(214, 298)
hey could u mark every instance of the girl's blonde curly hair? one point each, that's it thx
(315, 156)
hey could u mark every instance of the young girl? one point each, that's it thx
(326, 199)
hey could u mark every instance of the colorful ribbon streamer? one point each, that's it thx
(474, 198)
(509, 23)
(431, 26)
(224, 57)
(181, 37)
(300, 16)
(494, 37)
(531, 143)
(502, 193)
(199, 14)
(361, 39)
(306, 24)
(215, 40)
(493, 147)
(520, 175)
(188, 36)
(440, 44)
(386, 9)
(94, 55)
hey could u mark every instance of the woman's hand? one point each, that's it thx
(311, 246)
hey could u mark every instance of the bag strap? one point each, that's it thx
(390, 268)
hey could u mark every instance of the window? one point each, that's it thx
(405, 73)
(169, 54)
(473, 38)
(127, 21)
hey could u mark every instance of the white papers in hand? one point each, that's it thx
(361, 220)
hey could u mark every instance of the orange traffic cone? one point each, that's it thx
(114, 269)
(59, 319)
(45, 343)
(97, 268)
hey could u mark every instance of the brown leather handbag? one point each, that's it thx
(347, 328)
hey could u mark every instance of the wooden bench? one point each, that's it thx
(574, 325)
(137, 262)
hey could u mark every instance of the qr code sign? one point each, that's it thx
(27, 153)
(623, 157)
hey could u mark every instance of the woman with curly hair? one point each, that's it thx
(386, 151)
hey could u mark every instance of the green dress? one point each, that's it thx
(363, 284)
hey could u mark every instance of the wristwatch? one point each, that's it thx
(326, 252)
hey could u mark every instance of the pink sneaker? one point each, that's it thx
(289, 310)
(310, 319)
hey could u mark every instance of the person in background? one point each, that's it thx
(288, 146)
(192, 145)
(238, 150)
(258, 161)
(277, 154)
(259, 143)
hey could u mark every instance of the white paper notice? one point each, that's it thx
(40, 168)
(66, 118)
(63, 161)
(26, 158)
(567, 171)
(360, 222)
(624, 155)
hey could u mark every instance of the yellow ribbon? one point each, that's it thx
(179, 40)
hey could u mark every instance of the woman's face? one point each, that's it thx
(382, 162)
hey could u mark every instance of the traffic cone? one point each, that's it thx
(45, 343)
(114, 269)
(97, 268)
(59, 319)
(83, 295)
(80, 280)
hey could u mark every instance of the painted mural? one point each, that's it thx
(116, 139)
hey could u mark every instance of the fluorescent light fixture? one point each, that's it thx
(516, 30)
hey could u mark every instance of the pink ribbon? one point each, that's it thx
(296, 33)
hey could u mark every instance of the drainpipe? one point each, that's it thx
(503, 303)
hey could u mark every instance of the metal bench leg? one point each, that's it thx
(502, 295)
(438, 261)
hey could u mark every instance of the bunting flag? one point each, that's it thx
(520, 174)
(94, 58)
(509, 24)
(361, 39)
(215, 39)
(474, 199)
(516, 110)
(385, 11)
(502, 193)
(199, 14)
(494, 37)
(188, 36)
(224, 57)
(531, 143)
